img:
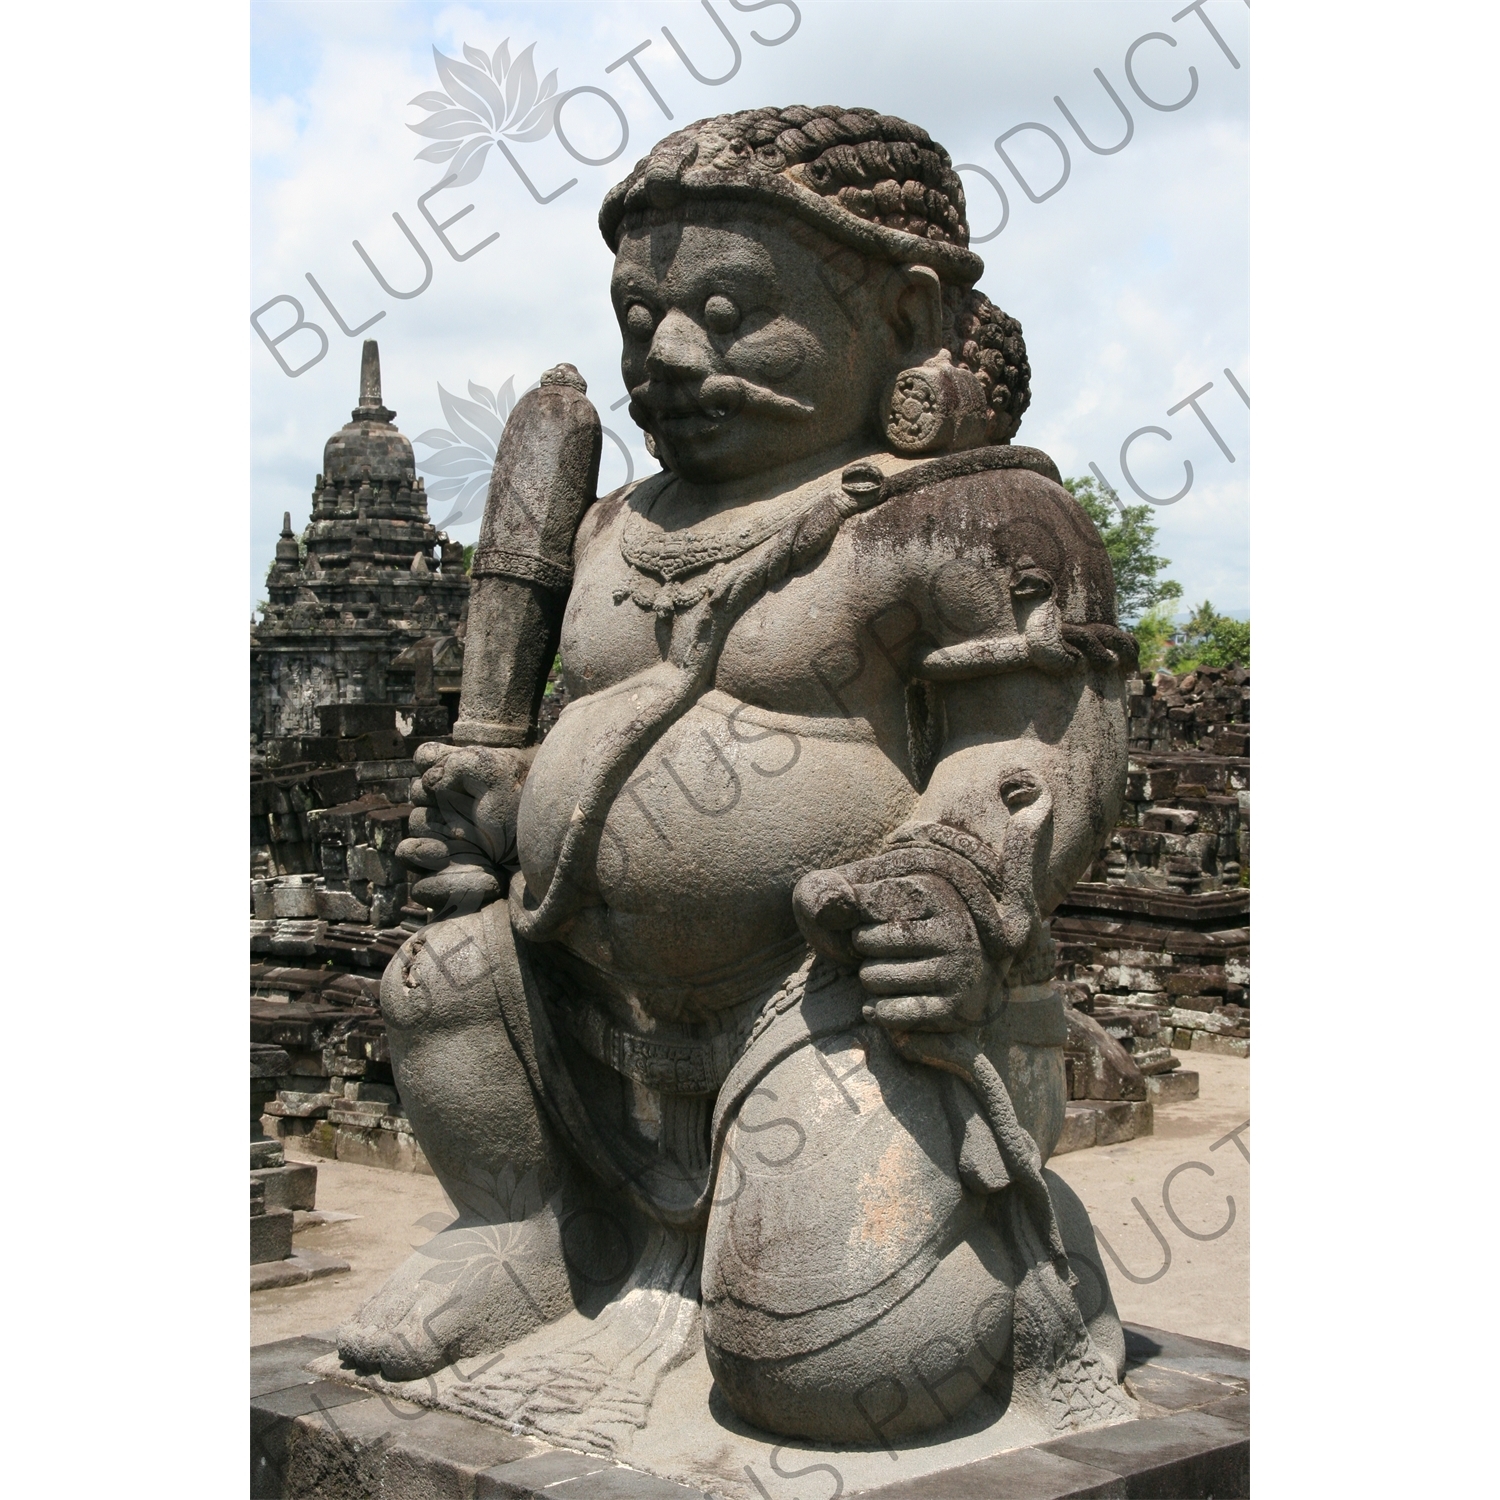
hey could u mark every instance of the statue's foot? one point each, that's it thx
(594, 1391)
(471, 1290)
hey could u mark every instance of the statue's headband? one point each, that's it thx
(873, 182)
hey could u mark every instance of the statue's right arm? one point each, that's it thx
(461, 845)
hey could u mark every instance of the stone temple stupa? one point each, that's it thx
(370, 578)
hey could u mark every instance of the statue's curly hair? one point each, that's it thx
(875, 182)
(989, 341)
(882, 169)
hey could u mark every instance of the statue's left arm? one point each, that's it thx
(1027, 708)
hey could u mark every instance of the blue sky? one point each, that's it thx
(1130, 280)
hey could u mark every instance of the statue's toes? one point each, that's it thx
(359, 1345)
(402, 1350)
(356, 1346)
(469, 1291)
(393, 1332)
(409, 1353)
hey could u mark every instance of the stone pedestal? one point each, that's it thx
(311, 1435)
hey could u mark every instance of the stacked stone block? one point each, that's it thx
(270, 1223)
(282, 1193)
(1180, 959)
(1206, 710)
(1155, 942)
(337, 1097)
(330, 811)
(1185, 825)
(1109, 1098)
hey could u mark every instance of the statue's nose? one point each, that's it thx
(679, 349)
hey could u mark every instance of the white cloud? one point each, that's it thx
(1131, 282)
(274, 126)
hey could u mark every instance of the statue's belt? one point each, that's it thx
(670, 1065)
(1033, 1016)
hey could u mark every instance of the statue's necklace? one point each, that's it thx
(664, 561)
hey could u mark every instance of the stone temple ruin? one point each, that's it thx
(1154, 945)
(356, 663)
(367, 605)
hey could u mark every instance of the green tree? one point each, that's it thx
(1128, 535)
(1210, 640)
(468, 556)
(1153, 635)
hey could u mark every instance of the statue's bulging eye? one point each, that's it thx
(639, 320)
(720, 315)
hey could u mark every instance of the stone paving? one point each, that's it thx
(1160, 1202)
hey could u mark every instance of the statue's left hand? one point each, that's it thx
(912, 939)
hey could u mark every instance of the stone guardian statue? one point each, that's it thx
(733, 1027)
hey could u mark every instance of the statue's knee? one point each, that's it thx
(461, 1081)
(441, 977)
(915, 1367)
(852, 1286)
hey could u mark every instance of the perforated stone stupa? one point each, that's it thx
(370, 577)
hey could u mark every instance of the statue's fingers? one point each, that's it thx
(423, 823)
(921, 976)
(459, 889)
(480, 770)
(467, 852)
(476, 784)
(439, 778)
(496, 806)
(833, 946)
(495, 767)
(903, 898)
(430, 892)
(455, 819)
(430, 754)
(923, 938)
(452, 774)
(824, 899)
(495, 826)
(425, 854)
(916, 1012)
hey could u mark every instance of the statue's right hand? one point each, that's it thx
(462, 830)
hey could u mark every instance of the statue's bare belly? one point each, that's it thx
(701, 850)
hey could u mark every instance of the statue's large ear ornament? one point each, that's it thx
(937, 407)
